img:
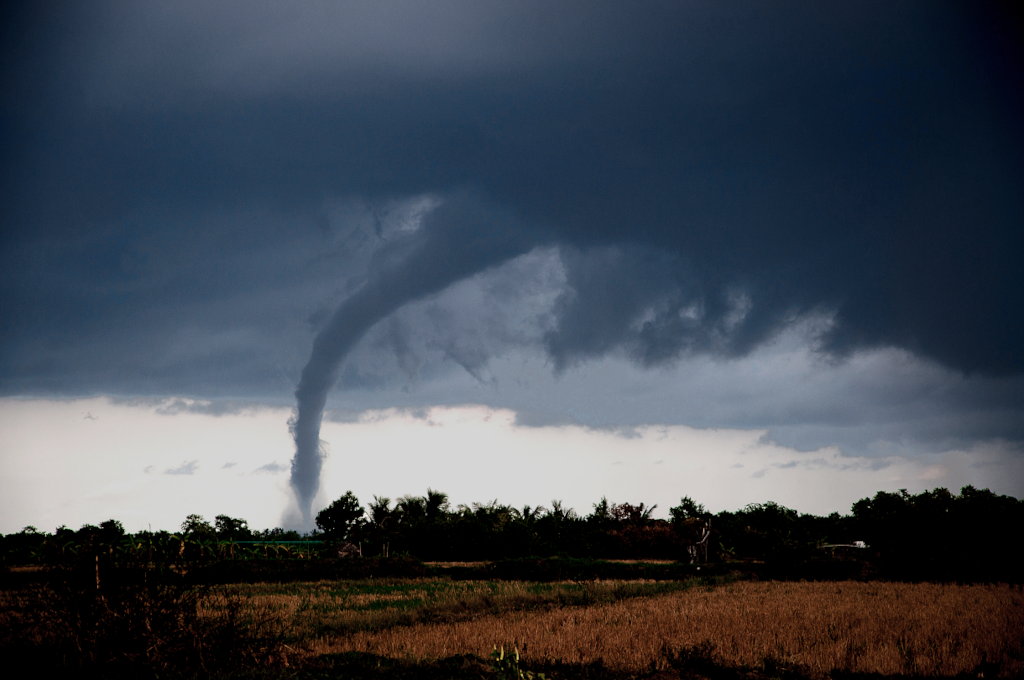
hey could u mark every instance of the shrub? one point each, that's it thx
(129, 619)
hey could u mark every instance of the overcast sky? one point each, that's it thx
(791, 226)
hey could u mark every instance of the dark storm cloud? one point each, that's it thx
(647, 303)
(709, 175)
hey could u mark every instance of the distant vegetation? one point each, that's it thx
(435, 581)
(932, 535)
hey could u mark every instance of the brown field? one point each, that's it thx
(886, 628)
(817, 629)
(329, 610)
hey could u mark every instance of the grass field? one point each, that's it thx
(887, 628)
(808, 629)
(330, 610)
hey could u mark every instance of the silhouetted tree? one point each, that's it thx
(379, 528)
(631, 514)
(341, 518)
(231, 528)
(112, 530)
(436, 505)
(939, 535)
(560, 532)
(277, 534)
(687, 509)
(196, 527)
(602, 514)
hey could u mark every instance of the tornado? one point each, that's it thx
(458, 239)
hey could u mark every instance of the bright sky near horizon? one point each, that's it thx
(149, 465)
(513, 251)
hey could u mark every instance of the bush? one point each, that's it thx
(129, 620)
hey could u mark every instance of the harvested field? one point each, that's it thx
(333, 609)
(456, 564)
(886, 628)
(638, 627)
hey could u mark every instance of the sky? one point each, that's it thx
(255, 254)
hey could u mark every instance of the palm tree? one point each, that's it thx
(531, 515)
(380, 519)
(437, 504)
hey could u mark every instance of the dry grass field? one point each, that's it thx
(330, 610)
(815, 629)
(886, 628)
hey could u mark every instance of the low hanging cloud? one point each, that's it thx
(186, 468)
(274, 468)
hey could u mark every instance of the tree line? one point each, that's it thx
(933, 530)
(933, 525)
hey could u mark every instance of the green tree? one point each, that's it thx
(381, 520)
(687, 509)
(632, 514)
(196, 527)
(110, 533)
(340, 518)
(559, 511)
(231, 528)
(558, 531)
(531, 514)
(112, 528)
(437, 505)
(602, 514)
(277, 534)
(411, 510)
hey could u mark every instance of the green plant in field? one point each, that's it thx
(507, 667)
